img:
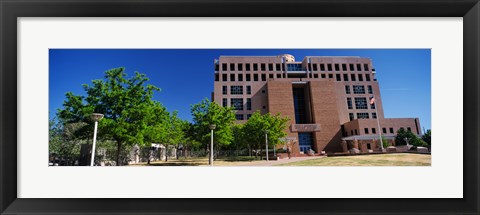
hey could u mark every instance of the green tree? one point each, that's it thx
(126, 103)
(412, 138)
(207, 113)
(427, 137)
(385, 142)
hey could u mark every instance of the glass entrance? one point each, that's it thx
(305, 141)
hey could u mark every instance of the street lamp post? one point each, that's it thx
(95, 117)
(212, 127)
(266, 143)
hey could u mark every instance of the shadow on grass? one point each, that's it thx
(175, 164)
(239, 159)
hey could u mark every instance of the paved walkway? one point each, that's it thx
(277, 162)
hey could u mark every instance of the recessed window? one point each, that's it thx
(263, 91)
(367, 77)
(356, 132)
(362, 115)
(240, 67)
(409, 129)
(270, 76)
(345, 77)
(315, 75)
(384, 130)
(278, 67)
(338, 77)
(224, 67)
(361, 103)
(315, 67)
(358, 89)
(239, 116)
(350, 115)
(344, 67)
(270, 67)
(232, 77)
(224, 77)
(216, 67)
(391, 130)
(255, 67)
(366, 130)
(374, 115)
(247, 77)
(310, 67)
(264, 107)
(337, 67)
(369, 146)
(224, 90)
(236, 90)
(353, 77)
(255, 77)
(370, 90)
(347, 89)
(365, 67)
(247, 67)
(329, 66)
(374, 131)
(263, 66)
(224, 102)
(322, 67)
(323, 75)
(359, 67)
(240, 77)
(264, 77)
(352, 68)
(372, 106)
(249, 104)
(232, 67)
(236, 103)
(279, 75)
(349, 103)
(360, 77)
(248, 116)
(217, 77)
(330, 75)
(249, 90)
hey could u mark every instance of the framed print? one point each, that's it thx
(275, 107)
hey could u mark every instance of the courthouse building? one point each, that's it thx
(327, 99)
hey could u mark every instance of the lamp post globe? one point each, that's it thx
(212, 127)
(95, 117)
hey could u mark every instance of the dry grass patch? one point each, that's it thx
(401, 159)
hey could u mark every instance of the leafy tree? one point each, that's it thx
(385, 142)
(206, 113)
(412, 138)
(126, 103)
(427, 137)
(63, 142)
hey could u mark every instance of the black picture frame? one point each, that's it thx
(10, 10)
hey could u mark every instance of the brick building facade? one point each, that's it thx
(327, 99)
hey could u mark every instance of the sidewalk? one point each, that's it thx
(277, 162)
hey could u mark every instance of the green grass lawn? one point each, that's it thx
(402, 159)
(201, 161)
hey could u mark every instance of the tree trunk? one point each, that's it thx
(119, 147)
(166, 154)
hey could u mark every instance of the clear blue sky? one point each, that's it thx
(404, 75)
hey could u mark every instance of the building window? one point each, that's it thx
(323, 75)
(358, 89)
(248, 116)
(351, 132)
(360, 77)
(224, 77)
(278, 67)
(337, 67)
(345, 77)
(224, 67)
(366, 130)
(263, 91)
(361, 103)
(249, 104)
(367, 77)
(384, 130)
(315, 75)
(270, 67)
(255, 67)
(365, 66)
(236, 90)
(310, 67)
(344, 67)
(232, 67)
(315, 67)
(279, 75)
(391, 130)
(270, 76)
(247, 67)
(374, 115)
(236, 103)
(224, 90)
(369, 146)
(352, 68)
(239, 116)
(322, 67)
(249, 90)
(349, 103)
(347, 89)
(359, 67)
(372, 106)
(350, 115)
(247, 76)
(217, 77)
(224, 102)
(240, 67)
(232, 77)
(263, 66)
(240, 77)
(370, 90)
(356, 132)
(353, 77)
(255, 77)
(330, 75)
(409, 129)
(362, 116)
(329, 66)
(374, 131)
(264, 107)
(264, 77)
(338, 77)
